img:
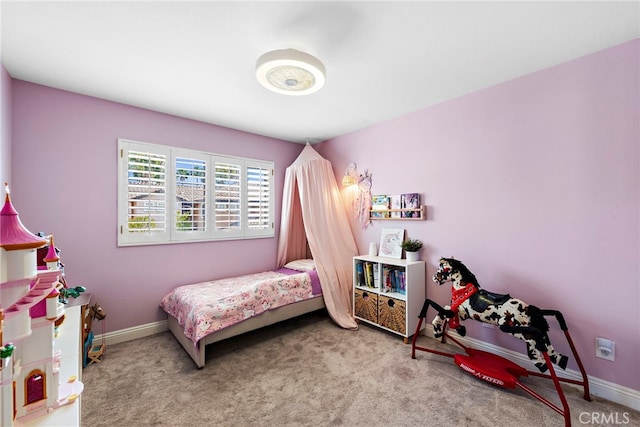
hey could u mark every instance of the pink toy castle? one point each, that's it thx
(30, 383)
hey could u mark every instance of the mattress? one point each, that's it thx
(206, 307)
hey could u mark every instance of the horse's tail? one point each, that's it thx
(537, 319)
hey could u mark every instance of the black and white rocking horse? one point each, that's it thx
(513, 316)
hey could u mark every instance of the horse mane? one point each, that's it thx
(467, 275)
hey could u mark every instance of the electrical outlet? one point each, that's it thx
(605, 349)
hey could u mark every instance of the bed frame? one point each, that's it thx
(197, 352)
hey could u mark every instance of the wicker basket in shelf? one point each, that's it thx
(366, 305)
(392, 314)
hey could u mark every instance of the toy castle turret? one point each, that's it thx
(29, 311)
(52, 259)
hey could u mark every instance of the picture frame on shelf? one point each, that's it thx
(396, 205)
(410, 201)
(391, 242)
(380, 206)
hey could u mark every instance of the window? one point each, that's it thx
(227, 210)
(35, 387)
(168, 195)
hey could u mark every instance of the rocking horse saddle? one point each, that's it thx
(482, 299)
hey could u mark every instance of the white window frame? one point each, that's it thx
(240, 229)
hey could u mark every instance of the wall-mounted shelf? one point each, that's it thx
(419, 214)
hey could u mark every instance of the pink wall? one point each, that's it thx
(534, 185)
(64, 182)
(5, 126)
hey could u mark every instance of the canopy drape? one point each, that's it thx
(313, 213)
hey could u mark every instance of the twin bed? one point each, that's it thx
(207, 312)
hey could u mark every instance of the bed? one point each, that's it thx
(204, 313)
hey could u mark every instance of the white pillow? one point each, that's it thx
(301, 265)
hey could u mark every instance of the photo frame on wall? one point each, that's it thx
(391, 242)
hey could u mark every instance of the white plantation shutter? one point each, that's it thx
(168, 195)
(147, 192)
(259, 198)
(228, 197)
(144, 215)
(191, 188)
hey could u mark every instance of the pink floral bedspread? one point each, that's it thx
(207, 307)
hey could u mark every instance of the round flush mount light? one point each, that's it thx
(290, 72)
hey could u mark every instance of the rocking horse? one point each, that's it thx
(93, 353)
(513, 316)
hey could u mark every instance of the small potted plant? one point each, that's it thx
(411, 247)
(5, 354)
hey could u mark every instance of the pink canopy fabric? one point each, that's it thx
(312, 211)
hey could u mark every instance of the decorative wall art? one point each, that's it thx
(391, 242)
(363, 203)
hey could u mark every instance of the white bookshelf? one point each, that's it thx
(395, 309)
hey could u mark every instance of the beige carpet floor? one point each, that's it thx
(309, 372)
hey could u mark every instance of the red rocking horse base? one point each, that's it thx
(490, 368)
(501, 372)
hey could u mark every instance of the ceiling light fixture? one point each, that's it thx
(290, 72)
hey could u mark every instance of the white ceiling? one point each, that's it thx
(383, 59)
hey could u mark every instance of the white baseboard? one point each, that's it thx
(133, 333)
(597, 387)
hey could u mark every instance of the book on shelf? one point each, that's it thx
(394, 279)
(386, 278)
(401, 286)
(368, 274)
(360, 274)
(395, 203)
(402, 282)
(410, 201)
(379, 206)
(376, 275)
